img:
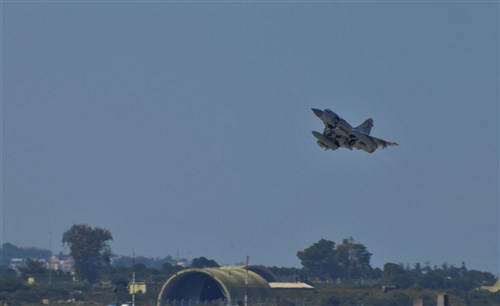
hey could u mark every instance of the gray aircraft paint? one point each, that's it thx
(339, 133)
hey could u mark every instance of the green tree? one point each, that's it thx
(203, 262)
(479, 278)
(119, 276)
(34, 267)
(353, 260)
(89, 249)
(319, 259)
(435, 280)
(396, 275)
(10, 283)
(168, 269)
(289, 274)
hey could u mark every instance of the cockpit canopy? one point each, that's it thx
(331, 113)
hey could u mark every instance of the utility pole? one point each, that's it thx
(133, 279)
(246, 281)
(50, 259)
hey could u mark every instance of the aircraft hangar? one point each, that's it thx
(227, 284)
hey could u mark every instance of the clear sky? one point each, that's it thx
(186, 127)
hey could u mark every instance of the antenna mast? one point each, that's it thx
(133, 279)
(246, 281)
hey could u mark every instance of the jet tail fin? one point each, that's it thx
(365, 127)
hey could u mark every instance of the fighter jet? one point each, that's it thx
(339, 133)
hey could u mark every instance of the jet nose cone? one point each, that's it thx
(317, 112)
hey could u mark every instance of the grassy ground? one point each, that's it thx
(330, 296)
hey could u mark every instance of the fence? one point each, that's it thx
(275, 301)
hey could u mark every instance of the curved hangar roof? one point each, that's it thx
(208, 284)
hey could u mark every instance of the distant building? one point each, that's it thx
(64, 263)
(289, 286)
(137, 287)
(31, 280)
(442, 300)
(181, 263)
(18, 263)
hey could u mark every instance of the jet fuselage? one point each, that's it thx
(339, 133)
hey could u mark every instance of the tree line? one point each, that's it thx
(349, 262)
(9, 251)
(324, 263)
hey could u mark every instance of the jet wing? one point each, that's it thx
(368, 143)
(383, 143)
(361, 145)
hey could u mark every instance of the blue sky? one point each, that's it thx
(186, 127)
